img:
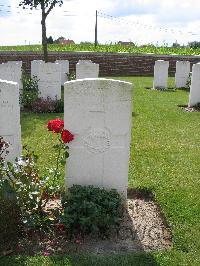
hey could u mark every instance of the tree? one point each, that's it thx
(50, 40)
(46, 7)
(59, 39)
(194, 44)
(176, 45)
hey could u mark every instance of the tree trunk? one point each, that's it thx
(44, 37)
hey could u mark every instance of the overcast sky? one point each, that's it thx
(139, 21)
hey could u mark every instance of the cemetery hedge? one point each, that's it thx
(149, 48)
(164, 159)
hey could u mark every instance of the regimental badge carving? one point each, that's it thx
(97, 140)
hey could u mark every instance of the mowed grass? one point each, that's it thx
(165, 158)
(112, 48)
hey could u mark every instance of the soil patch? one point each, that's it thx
(143, 228)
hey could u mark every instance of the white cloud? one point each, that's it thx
(142, 21)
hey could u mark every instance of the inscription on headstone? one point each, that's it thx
(10, 128)
(98, 112)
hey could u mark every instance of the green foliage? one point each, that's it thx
(92, 210)
(194, 45)
(197, 106)
(10, 215)
(50, 40)
(57, 41)
(59, 106)
(71, 76)
(10, 219)
(188, 83)
(30, 91)
(111, 48)
(36, 3)
(32, 192)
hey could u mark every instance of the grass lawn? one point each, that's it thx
(165, 157)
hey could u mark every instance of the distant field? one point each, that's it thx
(105, 48)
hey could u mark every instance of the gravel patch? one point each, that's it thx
(142, 229)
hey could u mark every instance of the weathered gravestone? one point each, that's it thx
(49, 84)
(194, 97)
(10, 128)
(12, 71)
(86, 69)
(99, 113)
(182, 73)
(160, 74)
(64, 70)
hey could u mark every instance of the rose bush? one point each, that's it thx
(64, 136)
(32, 190)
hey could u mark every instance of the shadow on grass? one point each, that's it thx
(169, 89)
(183, 89)
(140, 193)
(134, 114)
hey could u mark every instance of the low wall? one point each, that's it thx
(111, 64)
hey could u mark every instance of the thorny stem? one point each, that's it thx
(58, 157)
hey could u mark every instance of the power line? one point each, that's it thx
(137, 23)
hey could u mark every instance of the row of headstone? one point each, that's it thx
(181, 78)
(99, 113)
(51, 76)
(161, 74)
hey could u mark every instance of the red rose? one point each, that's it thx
(55, 125)
(67, 136)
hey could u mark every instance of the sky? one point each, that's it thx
(139, 21)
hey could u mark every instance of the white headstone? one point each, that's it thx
(15, 62)
(194, 97)
(12, 71)
(182, 73)
(34, 67)
(160, 74)
(10, 128)
(49, 84)
(86, 69)
(64, 70)
(99, 113)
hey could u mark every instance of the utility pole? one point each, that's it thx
(95, 43)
